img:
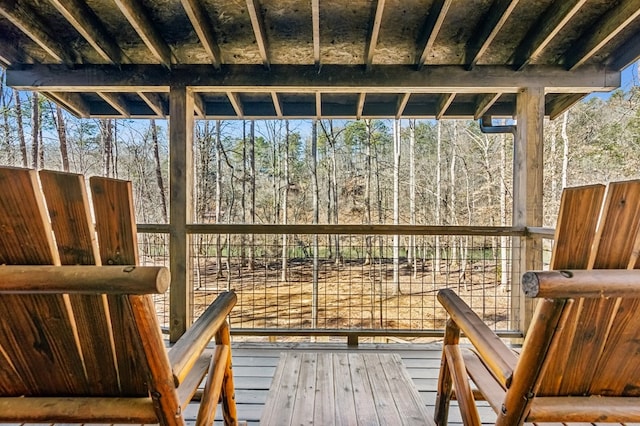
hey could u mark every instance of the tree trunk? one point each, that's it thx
(316, 220)
(35, 130)
(159, 179)
(4, 105)
(21, 138)
(565, 144)
(411, 255)
(218, 199)
(367, 191)
(396, 205)
(252, 185)
(504, 249)
(436, 254)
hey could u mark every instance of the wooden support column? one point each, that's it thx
(180, 207)
(527, 194)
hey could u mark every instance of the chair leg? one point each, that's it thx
(229, 411)
(445, 383)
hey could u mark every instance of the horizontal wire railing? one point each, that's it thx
(363, 280)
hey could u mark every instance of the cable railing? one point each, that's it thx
(348, 280)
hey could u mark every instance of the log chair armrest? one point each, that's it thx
(493, 351)
(186, 351)
(83, 279)
(582, 283)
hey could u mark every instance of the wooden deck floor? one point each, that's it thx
(255, 363)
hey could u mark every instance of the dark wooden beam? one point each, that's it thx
(306, 78)
(277, 105)
(10, 54)
(155, 102)
(598, 35)
(443, 104)
(489, 28)
(628, 54)
(562, 103)
(236, 103)
(85, 21)
(72, 102)
(315, 23)
(431, 29)
(257, 22)
(546, 28)
(402, 104)
(484, 103)
(374, 31)
(117, 102)
(27, 21)
(202, 25)
(139, 19)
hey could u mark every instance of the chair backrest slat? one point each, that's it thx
(68, 206)
(587, 359)
(50, 362)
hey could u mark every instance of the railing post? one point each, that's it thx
(527, 195)
(180, 207)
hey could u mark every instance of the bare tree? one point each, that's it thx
(396, 205)
(35, 130)
(21, 138)
(61, 127)
(285, 199)
(159, 179)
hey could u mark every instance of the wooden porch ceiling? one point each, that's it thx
(309, 58)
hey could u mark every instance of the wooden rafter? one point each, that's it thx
(116, 101)
(139, 19)
(552, 21)
(360, 106)
(257, 23)
(236, 103)
(204, 30)
(484, 103)
(431, 29)
(9, 53)
(559, 105)
(597, 36)
(443, 104)
(629, 53)
(72, 102)
(318, 105)
(27, 21)
(374, 31)
(402, 104)
(277, 105)
(199, 106)
(490, 27)
(155, 102)
(315, 22)
(85, 21)
(306, 78)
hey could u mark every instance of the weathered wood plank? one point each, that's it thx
(345, 406)
(325, 407)
(306, 392)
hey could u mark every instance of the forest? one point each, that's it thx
(368, 171)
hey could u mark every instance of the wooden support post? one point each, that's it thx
(527, 195)
(180, 207)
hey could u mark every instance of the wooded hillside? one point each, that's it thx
(362, 172)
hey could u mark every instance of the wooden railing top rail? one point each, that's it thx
(207, 228)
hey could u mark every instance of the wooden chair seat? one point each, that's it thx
(580, 361)
(80, 342)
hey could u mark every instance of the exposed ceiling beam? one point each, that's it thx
(27, 21)
(562, 103)
(318, 105)
(236, 103)
(402, 104)
(431, 29)
(484, 103)
(548, 26)
(315, 23)
(374, 31)
(204, 30)
(443, 104)
(598, 35)
(306, 78)
(85, 21)
(117, 102)
(139, 19)
(199, 106)
(629, 53)
(155, 102)
(257, 23)
(277, 105)
(9, 53)
(490, 27)
(360, 106)
(72, 102)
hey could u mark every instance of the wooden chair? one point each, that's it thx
(580, 361)
(81, 343)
